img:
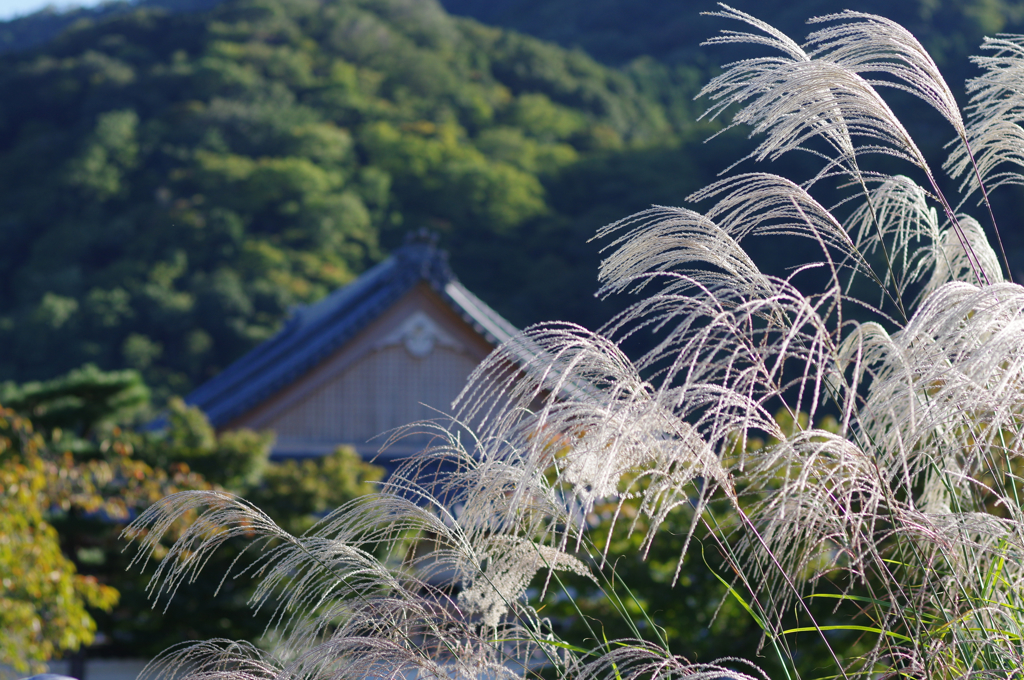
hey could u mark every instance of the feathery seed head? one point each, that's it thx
(906, 514)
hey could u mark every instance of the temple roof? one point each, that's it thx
(314, 332)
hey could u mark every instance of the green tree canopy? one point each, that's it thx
(43, 598)
(81, 468)
(171, 184)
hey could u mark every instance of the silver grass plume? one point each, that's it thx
(803, 96)
(995, 115)
(908, 506)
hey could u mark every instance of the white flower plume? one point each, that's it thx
(860, 442)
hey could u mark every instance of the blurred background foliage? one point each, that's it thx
(171, 184)
(176, 176)
(43, 599)
(77, 467)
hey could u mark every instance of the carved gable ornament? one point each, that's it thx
(419, 334)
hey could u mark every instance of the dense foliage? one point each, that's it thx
(70, 480)
(43, 598)
(79, 470)
(174, 182)
(618, 31)
(171, 184)
(40, 27)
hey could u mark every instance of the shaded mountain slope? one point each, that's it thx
(172, 183)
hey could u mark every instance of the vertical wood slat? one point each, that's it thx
(386, 389)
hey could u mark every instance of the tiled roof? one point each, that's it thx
(312, 333)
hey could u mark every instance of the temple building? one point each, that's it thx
(393, 347)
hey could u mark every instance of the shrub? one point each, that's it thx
(904, 518)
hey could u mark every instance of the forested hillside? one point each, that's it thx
(171, 184)
(38, 28)
(618, 31)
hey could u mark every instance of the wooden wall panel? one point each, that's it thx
(386, 389)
